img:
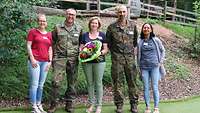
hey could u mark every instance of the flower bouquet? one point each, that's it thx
(90, 51)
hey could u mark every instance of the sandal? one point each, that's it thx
(147, 110)
(156, 110)
(98, 109)
(89, 109)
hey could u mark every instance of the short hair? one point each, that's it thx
(120, 7)
(40, 15)
(94, 18)
(70, 9)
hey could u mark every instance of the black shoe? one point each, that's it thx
(119, 109)
(69, 110)
(134, 108)
(52, 108)
(69, 107)
(50, 112)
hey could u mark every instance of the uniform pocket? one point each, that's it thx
(75, 41)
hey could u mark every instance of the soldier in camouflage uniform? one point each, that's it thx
(122, 40)
(65, 59)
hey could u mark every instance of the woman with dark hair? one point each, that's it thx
(150, 59)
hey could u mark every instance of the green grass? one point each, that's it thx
(185, 31)
(180, 106)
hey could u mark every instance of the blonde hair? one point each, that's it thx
(70, 9)
(40, 15)
(94, 18)
(119, 7)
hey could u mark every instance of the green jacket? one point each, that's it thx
(122, 40)
(66, 42)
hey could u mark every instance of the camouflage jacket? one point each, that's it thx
(122, 40)
(66, 42)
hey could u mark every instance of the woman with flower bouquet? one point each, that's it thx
(93, 48)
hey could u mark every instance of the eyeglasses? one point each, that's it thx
(42, 21)
(70, 14)
(121, 12)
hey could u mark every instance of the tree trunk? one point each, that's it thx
(99, 6)
(149, 2)
(175, 5)
(49, 11)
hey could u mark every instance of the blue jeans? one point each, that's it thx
(37, 77)
(94, 75)
(151, 75)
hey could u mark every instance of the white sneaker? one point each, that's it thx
(41, 108)
(35, 110)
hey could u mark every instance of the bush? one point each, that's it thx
(151, 21)
(16, 18)
(196, 41)
(179, 70)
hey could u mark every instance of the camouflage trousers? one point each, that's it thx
(124, 65)
(64, 67)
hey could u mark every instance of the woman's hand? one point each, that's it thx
(32, 59)
(105, 49)
(140, 74)
(81, 47)
(34, 63)
(135, 51)
(48, 66)
(160, 64)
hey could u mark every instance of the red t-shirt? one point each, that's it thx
(40, 44)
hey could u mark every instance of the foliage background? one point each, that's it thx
(195, 45)
(15, 19)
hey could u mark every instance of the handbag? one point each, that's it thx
(162, 71)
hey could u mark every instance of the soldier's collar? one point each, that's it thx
(74, 26)
(127, 23)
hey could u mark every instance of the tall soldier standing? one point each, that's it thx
(65, 59)
(122, 40)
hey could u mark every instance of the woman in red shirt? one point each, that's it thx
(39, 47)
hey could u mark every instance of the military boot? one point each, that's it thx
(52, 107)
(119, 109)
(134, 108)
(69, 107)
